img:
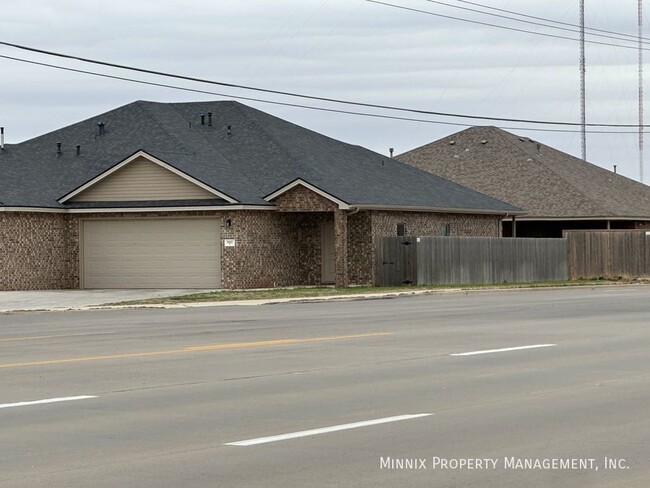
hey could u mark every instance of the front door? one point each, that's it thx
(327, 252)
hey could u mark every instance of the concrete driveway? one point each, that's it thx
(71, 299)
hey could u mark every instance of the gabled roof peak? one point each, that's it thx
(525, 172)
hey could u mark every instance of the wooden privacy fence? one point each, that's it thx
(480, 260)
(608, 253)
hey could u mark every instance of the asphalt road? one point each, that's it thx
(167, 395)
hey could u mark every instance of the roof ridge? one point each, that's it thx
(142, 106)
(593, 201)
(540, 160)
(267, 134)
(93, 117)
(214, 148)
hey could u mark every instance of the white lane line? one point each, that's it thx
(48, 400)
(505, 349)
(325, 430)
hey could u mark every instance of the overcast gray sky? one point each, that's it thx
(348, 49)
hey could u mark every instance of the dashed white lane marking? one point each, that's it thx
(325, 430)
(47, 400)
(505, 349)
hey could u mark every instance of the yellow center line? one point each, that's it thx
(278, 342)
(32, 338)
(213, 347)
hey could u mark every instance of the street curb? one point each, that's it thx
(274, 301)
(352, 297)
(296, 300)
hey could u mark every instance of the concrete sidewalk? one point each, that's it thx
(11, 301)
(60, 300)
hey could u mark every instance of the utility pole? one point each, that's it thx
(583, 110)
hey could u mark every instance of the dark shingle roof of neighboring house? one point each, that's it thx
(261, 154)
(547, 183)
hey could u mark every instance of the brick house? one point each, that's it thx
(212, 195)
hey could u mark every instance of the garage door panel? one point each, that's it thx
(152, 253)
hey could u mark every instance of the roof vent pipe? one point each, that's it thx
(78, 149)
(390, 151)
(100, 128)
(202, 119)
(210, 119)
(2, 137)
(58, 149)
(229, 130)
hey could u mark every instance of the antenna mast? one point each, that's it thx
(640, 16)
(583, 111)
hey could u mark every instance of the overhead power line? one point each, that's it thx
(488, 24)
(295, 105)
(576, 30)
(308, 97)
(554, 21)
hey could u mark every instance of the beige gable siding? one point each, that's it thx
(142, 180)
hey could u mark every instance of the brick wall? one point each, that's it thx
(361, 254)
(266, 253)
(430, 224)
(36, 251)
(341, 246)
(384, 223)
(302, 199)
(41, 250)
(311, 210)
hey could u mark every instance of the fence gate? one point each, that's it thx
(470, 260)
(396, 261)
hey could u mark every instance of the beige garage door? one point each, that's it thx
(151, 253)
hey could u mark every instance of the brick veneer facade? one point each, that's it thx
(273, 248)
(313, 210)
(341, 247)
(384, 223)
(302, 199)
(36, 251)
(361, 251)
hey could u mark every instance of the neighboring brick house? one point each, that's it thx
(212, 195)
(558, 191)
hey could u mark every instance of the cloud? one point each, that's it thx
(347, 49)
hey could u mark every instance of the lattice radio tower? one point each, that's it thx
(583, 110)
(583, 118)
(640, 21)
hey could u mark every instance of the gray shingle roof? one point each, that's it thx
(540, 179)
(262, 154)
